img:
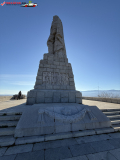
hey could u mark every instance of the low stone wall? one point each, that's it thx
(110, 100)
(5, 98)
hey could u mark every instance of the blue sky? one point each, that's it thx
(92, 39)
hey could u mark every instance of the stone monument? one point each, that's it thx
(56, 111)
(55, 79)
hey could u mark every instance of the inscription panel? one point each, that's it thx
(55, 78)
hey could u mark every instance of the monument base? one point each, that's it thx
(37, 96)
(54, 118)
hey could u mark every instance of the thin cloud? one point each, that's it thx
(16, 76)
(22, 83)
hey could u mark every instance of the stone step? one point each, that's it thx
(26, 140)
(10, 118)
(6, 141)
(10, 113)
(8, 123)
(116, 127)
(113, 117)
(115, 122)
(112, 113)
(7, 131)
(110, 110)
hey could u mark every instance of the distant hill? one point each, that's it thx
(95, 93)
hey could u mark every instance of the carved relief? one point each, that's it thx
(55, 78)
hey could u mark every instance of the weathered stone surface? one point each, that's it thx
(101, 156)
(7, 131)
(93, 138)
(101, 146)
(6, 140)
(10, 157)
(82, 149)
(115, 142)
(37, 155)
(32, 139)
(19, 149)
(57, 153)
(116, 153)
(54, 144)
(55, 118)
(83, 133)
(2, 151)
(58, 136)
(55, 73)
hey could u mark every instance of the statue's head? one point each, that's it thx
(55, 22)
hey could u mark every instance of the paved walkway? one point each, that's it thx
(96, 147)
(21, 104)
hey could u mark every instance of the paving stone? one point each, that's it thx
(115, 142)
(116, 153)
(102, 146)
(101, 156)
(82, 149)
(2, 150)
(77, 158)
(54, 144)
(11, 157)
(19, 149)
(93, 138)
(31, 139)
(57, 153)
(114, 135)
(6, 140)
(37, 155)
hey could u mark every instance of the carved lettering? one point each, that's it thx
(55, 78)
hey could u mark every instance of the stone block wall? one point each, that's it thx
(55, 73)
(53, 96)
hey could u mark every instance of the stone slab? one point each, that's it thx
(101, 156)
(115, 142)
(6, 140)
(37, 155)
(2, 150)
(58, 136)
(25, 140)
(102, 146)
(114, 135)
(33, 122)
(116, 153)
(7, 131)
(104, 130)
(10, 157)
(19, 149)
(94, 138)
(77, 158)
(54, 144)
(83, 133)
(57, 153)
(82, 149)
